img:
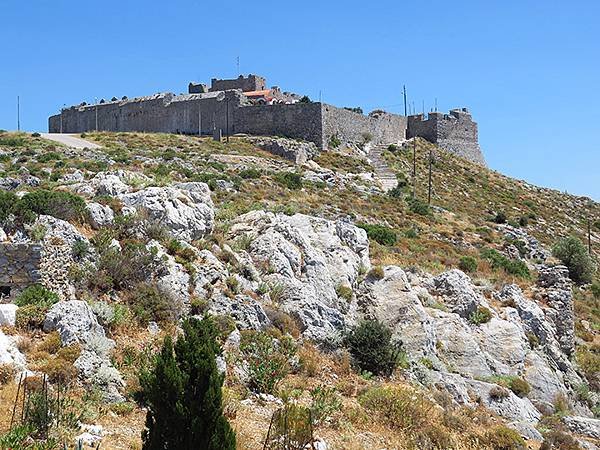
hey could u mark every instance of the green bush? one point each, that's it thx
(520, 387)
(291, 180)
(596, 289)
(419, 207)
(370, 344)
(325, 402)
(7, 203)
(379, 233)
(250, 173)
(500, 217)
(574, 255)
(334, 141)
(467, 264)
(268, 359)
(183, 393)
(122, 268)
(59, 204)
(36, 295)
(481, 315)
(12, 141)
(510, 266)
(147, 302)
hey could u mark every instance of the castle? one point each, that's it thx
(246, 105)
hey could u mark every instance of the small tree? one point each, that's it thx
(370, 344)
(183, 393)
(574, 255)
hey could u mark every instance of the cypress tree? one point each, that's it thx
(183, 393)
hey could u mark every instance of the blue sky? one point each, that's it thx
(528, 70)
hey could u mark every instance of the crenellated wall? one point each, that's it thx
(455, 132)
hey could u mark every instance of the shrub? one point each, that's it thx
(305, 99)
(344, 292)
(400, 407)
(574, 255)
(325, 402)
(467, 264)
(7, 372)
(7, 202)
(283, 321)
(520, 387)
(557, 440)
(596, 289)
(481, 315)
(291, 180)
(268, 359)
(36, 295)
(123, 268)
(379, 233)
(59, 204)
(250, 173)
(500, 217)
(499, 393)
(376, 272)
(510, 266)
(419, 207)
(370, 344)
(30, 316)
(309, 360)
(148, 302)
(59, 370)
(334, 141)
(504, 438)
(183, 393)
(51, 343)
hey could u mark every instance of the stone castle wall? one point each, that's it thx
(19, 267)
(351, 127)
(313, 122)
(163, 113)
(455, 132)
(246, 84)
(298, 121)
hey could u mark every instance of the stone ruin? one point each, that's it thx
(245, 105)
(19, 267)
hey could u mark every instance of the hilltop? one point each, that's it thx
(150, 228)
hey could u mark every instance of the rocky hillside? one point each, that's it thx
(495, 345)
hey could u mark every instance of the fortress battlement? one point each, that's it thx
(246, 105)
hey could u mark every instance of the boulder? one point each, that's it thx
(100, 215)
(184, 209)
(584, 426)
(171, 276)
(74, 320)
(247, 312)
(8, 314)
(392, 301)
(504, 345)
(457, 292)
(9, 353)
(298, 152)
(305, 259)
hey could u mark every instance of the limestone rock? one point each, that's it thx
(185, 209)
(457, 293)
(171, 276)
(9, 353)
(100, 215)
(8, 314)
(208, 270)
(585, 426)
(306, 258)
(247, 312)
(510, 407)
(504, 344)
(295, 151)
(74, 320)
(392, 301)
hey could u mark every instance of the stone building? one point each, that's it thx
(19, 267)
(245, 105)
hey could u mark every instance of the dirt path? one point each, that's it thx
(70, 140)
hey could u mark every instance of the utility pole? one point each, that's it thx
(414, 168)
(430, 171)
(435, 109)
(238, 65)
(404, 92)
(589, 234)
(320, 97)
(18, 113)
